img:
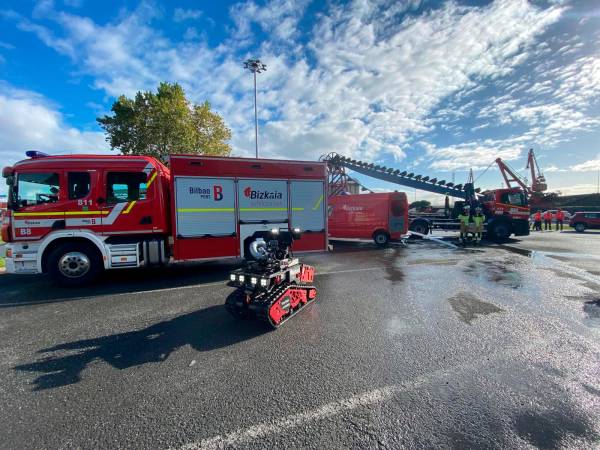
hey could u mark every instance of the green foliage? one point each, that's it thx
(420, 204)
(165, 122)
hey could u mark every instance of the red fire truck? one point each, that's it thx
(74, 216)
(380, 217)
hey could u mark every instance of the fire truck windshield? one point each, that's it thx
(514, 198)
(35, 189)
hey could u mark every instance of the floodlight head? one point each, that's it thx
(255, 65)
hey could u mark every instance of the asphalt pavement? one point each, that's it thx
(416, 346)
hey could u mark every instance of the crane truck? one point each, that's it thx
(506, 210)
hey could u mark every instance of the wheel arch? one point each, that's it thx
(55, 239)
(379, 230)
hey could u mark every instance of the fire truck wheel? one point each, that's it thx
(500, 232)
(74, 264)
(381, 238)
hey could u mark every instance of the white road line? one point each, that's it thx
(262, 430)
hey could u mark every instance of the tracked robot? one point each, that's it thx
(273, 286)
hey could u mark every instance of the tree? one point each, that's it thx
(420, 204)
(165, 122)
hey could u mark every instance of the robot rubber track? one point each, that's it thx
(274, 307)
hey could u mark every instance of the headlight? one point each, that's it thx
(232, 277)
(241, 278)
(253, 280)
(263, 282)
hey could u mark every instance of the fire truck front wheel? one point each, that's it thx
(74, 264)
(500, 231)
(381, 238)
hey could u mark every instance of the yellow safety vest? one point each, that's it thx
(463, 219)
(479, 220)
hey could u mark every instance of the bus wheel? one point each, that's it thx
(381, 238)
(74, 264)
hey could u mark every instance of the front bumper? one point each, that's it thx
(21, 258)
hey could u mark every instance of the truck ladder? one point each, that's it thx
(336, 162)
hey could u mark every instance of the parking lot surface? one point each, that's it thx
(416, 346)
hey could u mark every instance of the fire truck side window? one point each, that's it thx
(79, 185)
(37, 188)
(126, 186)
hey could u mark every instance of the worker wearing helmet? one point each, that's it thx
(478, 219)
(464, 223)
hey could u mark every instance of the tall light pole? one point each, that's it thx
(255, 66)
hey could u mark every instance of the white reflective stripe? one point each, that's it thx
(110, 219)
(35, 223)
(148, 169)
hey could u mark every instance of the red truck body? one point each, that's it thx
(368, 216)
(133, 211)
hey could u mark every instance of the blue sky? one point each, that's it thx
(436, 87)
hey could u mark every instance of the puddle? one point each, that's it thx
(555, 428)
(496, 272)
(592, 310)
(468, 307)
(391, 258)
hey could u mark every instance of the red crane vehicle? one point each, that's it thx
(75, 216)
(538, 181)
(506, 210)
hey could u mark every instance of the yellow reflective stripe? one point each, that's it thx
(39, 214)
(195, 210)
(62, 213)
(298, 209)
(77, 213)
(318, 203)
(263, 209)
(129, 207)
(151, 180)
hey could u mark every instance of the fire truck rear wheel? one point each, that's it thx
(381, 238)
(74, 264)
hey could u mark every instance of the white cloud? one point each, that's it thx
(181, 14)
(363, 84)
(29, 122)
(593, 165)
(474, 155)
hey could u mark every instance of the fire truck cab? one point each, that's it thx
(74, 216)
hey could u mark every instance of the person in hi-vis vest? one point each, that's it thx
(464, 223)
(478, 219)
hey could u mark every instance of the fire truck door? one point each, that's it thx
(308, 205)
(129, 203)
(81, 199)
(263, 205)
(205, 207)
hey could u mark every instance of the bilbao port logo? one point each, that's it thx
(205, 193)
(253, 194)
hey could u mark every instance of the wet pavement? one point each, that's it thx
(416, 346)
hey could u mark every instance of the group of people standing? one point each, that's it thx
(471, 223)
(547, 217)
